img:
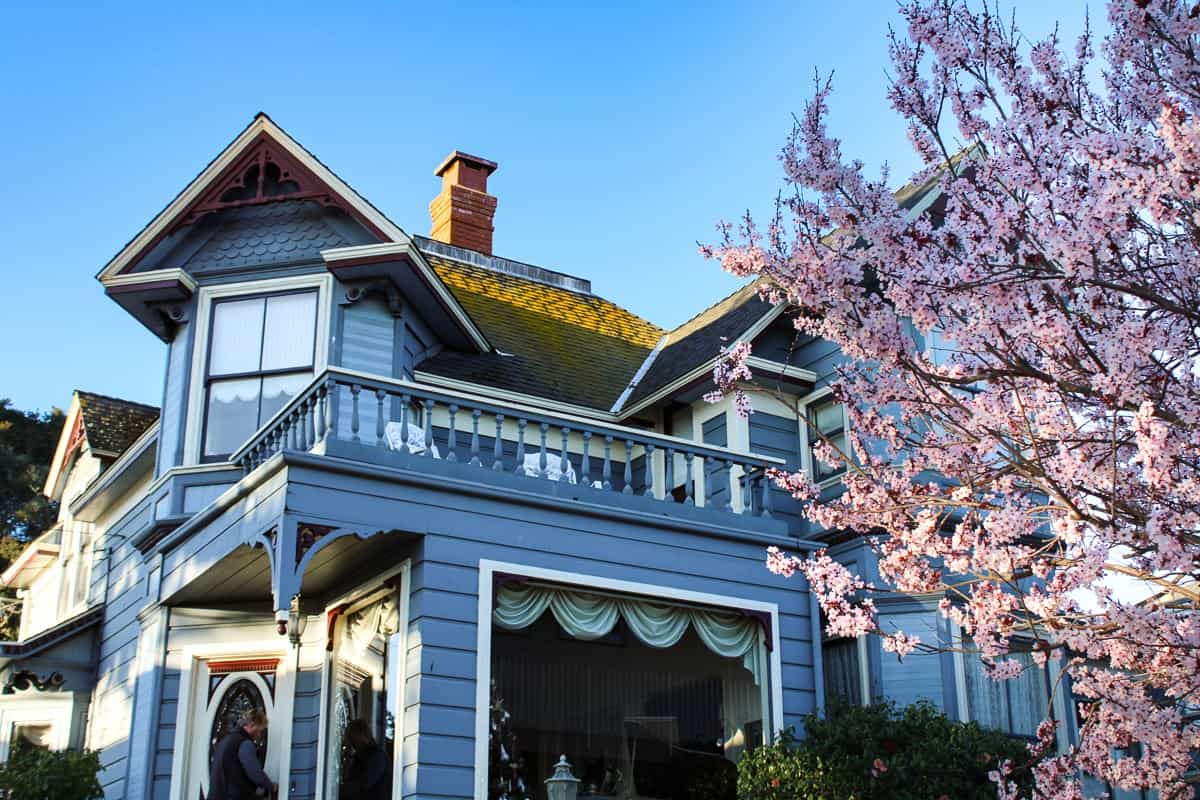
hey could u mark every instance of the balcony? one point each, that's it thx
(367, 419)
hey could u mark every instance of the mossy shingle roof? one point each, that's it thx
(549, 341)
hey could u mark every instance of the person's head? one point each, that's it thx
(358, 735)
(253, 722)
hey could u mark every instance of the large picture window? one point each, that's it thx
(260, 356)
(645, 699)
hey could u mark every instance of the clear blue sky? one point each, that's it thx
(622, 135)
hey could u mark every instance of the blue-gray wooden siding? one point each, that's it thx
(715, 431)
(462, 529)
(779, 437)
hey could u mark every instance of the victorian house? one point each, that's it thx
(460, 497)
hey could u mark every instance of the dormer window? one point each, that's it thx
(261, 353)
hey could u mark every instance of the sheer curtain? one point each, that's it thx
(591, 616)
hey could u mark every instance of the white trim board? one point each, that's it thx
(195, 410)
(483, 663)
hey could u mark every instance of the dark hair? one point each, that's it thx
(358, 735)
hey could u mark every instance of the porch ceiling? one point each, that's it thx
(241, 577)
(345, 563)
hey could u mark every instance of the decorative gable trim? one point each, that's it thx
(262, 142)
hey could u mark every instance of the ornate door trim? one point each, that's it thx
(194, 713)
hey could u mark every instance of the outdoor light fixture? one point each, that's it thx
(297, 622)
(562, 785)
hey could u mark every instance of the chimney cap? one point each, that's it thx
(474, 161)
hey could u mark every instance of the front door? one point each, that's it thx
(224, 690)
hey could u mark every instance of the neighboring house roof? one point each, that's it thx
(111, 424)
(64, 630)
(33, 560)
(568, 346)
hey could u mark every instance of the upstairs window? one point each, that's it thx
(829, 417)
(260, 355)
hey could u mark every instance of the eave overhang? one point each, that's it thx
(34, 559)
(153, 298)
(403, 267)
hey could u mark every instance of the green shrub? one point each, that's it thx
(35, 774)
(874, 752)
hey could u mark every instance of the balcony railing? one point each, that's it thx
(343, 412)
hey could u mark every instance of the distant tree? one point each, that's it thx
(27, 442)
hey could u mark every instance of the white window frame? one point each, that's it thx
(57, 712)
(282, 713)
(807, 444)
(399, 715)
(483, 663)
(323, 283)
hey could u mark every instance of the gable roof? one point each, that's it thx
(550, 341)
(111, 424)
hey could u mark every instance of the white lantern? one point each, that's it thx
(562, 785)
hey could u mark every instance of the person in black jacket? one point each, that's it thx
(236, 773)
(367, 775)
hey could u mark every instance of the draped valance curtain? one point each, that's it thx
(590, 616)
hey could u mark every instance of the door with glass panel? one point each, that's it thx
(223, 692)
(363, 678)
(260, 355)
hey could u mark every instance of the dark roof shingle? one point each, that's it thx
(112, 424)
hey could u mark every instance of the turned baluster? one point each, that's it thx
(564, 465)
(476, 461)
(689, 487)
(428, 405)
(729, 485)
(520, 468)
(498, 445)
(354, 390)
(452, 435)
(405, 402)
(380, 396)
(669, 475)
(586, 466)
(747, 492)
(319, 415)
(766, 495)
(606, 474)
(628, 476)
(542, 460)
(649, 471)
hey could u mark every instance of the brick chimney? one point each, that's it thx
(463, 211)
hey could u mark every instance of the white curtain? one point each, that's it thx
(590, 616)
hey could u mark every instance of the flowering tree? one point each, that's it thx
(1057, 443)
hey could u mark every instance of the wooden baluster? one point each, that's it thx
(354, 390)
(690, 489)
(380, 396)
(452, 435)
(327, 398)
(476, 461)
(405, 402)
(290, 421)
(498, 445)
(428, 406)
(319, 415)
(705, 481)
(606, 474)
(649, 471)
(628, 476)
(766, 496)
(542, 460)
(520, 468)
(310, 416)
(747, 492)
(729, 485)
(586, 466)
(564, 465)
(669, 474)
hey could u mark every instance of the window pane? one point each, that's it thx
(236, 336)
(232, 415)
(828, 470)
(1029, 695)
(278, 390)
(290, 329)
(828, 417)
(985, 697)
(842, 670)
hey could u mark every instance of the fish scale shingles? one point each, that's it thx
(267, 234)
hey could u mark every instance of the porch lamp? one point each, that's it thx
(297, 622)
(562, 785)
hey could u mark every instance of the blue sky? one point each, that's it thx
(623, 135)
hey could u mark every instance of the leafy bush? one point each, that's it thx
(873, 752)
(36, 774)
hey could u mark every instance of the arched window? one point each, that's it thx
(241, 696)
